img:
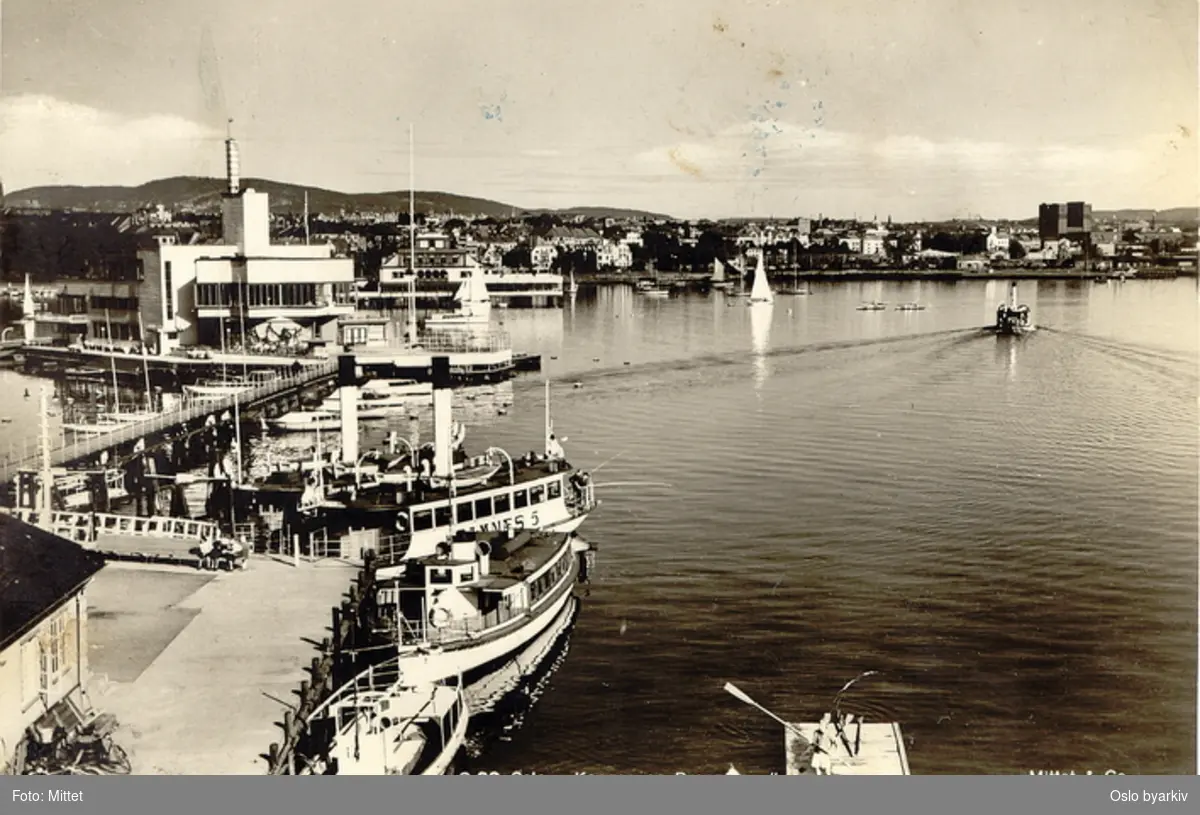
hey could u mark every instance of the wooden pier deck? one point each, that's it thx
(880, 751)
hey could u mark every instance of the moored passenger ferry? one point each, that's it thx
(477, 598)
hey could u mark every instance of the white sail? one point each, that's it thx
(718, 274)
(474, 301)
(760, 292)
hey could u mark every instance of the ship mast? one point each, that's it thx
(412, 243)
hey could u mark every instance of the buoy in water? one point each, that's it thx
(579, 384)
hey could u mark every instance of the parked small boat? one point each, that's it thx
(214, 389)
(380, 394)
(873, 305)
(388, 723)
(309, 420)
(910, 307)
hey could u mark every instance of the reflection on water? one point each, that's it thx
(760, 338)
(533, 327)
(1006, 355)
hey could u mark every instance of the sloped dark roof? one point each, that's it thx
(38, 571)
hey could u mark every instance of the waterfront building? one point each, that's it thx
(1056, 221)
(441, 266)
(215, 294)
(43, 635)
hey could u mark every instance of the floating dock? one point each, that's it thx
(866, 749)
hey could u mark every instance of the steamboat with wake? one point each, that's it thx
(475, 555)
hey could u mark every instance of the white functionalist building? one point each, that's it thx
(193, 295)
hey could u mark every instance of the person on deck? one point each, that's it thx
(554, 452)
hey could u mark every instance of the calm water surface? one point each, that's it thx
(1005, 529)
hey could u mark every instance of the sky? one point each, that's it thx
(917, 109)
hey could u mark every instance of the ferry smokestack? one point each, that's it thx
(348, 397)
(1012, 295)
(233, 182)
(443, 430)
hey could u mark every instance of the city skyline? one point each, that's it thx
(922, 110)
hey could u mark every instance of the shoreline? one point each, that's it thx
(950, 276)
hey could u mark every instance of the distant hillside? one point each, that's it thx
(203, 194)
(1176, 215)
(601, 212)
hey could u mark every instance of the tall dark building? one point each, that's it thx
(1056, 221)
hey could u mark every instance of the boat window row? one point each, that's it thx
(487, 506)
(549, 580)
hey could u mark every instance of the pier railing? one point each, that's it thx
(71, 449)
(86, 527)
(449, 341)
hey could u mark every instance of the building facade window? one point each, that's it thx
(168, 291)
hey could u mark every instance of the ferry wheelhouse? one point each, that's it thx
(382, 723)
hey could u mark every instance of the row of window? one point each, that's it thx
(257, 295)
(549, 580)
(477, 509)
(101, 301)
(120, 331)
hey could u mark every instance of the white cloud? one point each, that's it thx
(777, 165)
(44, 140)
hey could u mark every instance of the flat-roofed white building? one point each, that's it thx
(199, 293)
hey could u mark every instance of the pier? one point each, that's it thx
(157, 428)
(201, 668)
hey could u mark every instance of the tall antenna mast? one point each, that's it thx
(412, 242)
(231, 161)
(306, 218)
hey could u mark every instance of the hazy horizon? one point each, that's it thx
(921, 110)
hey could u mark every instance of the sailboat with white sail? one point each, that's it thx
(572, 286)
(474, 304)
(718, 275)
(760, 291)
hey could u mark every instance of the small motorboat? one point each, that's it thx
(874, 305)
(302, 420)
(910, 307)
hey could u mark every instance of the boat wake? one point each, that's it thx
(737, 359)
(1131, 350)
